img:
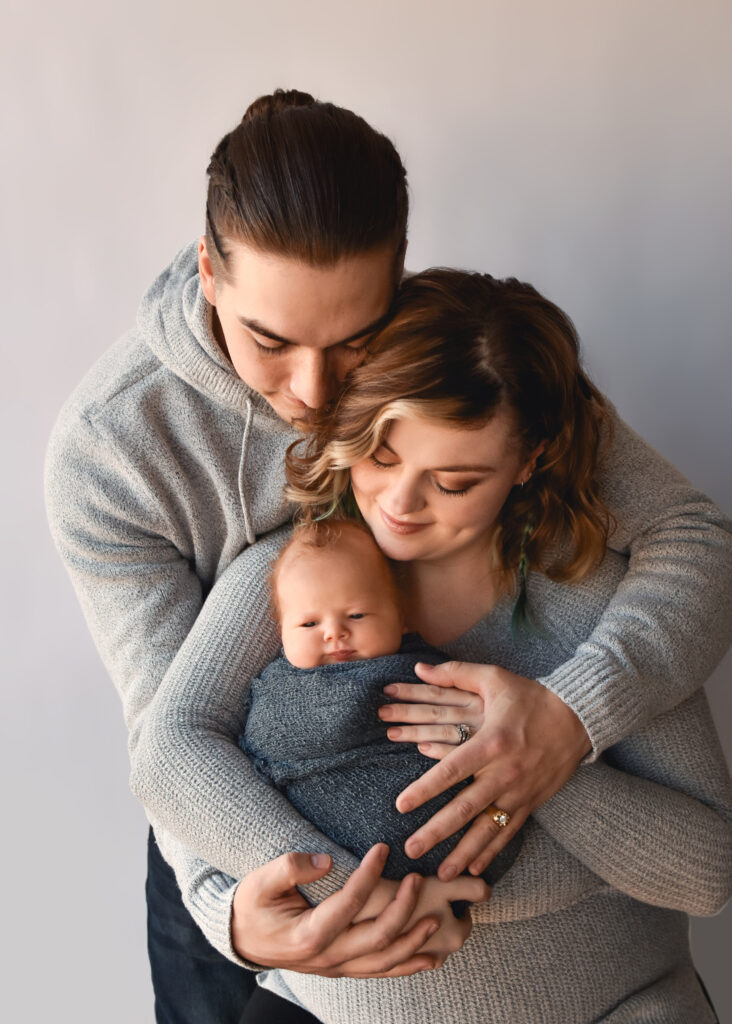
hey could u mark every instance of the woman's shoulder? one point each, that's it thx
(570, 611)
(560, 617)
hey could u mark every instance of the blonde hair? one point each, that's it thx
(460, 347)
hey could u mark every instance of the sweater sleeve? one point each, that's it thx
(141, 598)
(207, 894)
(188, 769)
(139, 595)
(670, 621)
(653, 817)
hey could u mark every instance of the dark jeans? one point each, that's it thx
(193, 983)
(266, 1008)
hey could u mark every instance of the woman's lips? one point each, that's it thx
(399, 526)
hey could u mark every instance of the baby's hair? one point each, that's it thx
(325, 533)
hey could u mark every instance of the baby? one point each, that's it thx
(334, 597)
(313, 728)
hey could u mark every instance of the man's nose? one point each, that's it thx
(313, 380)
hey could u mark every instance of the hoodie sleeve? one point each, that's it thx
(670, 621)
(141, 599)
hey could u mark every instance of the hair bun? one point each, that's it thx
(279, 100)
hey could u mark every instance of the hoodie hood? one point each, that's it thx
(176, 320)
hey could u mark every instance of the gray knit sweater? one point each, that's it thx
(163, 466)
(590, 922)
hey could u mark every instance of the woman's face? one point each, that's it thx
(434, 490)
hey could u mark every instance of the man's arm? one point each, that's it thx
(140, 597)
(278, 928)
(670, 622)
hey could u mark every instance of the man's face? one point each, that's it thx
(292, 330)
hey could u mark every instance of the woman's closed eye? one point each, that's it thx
(379, 463)
(455, 491)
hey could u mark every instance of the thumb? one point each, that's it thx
(291, 869)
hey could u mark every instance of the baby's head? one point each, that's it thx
(334, 596)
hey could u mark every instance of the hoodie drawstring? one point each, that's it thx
(242, 464)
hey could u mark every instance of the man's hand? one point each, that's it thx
(273, 925)
(527, 747)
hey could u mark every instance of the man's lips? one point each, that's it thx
(399, 526)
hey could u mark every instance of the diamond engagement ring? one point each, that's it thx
(500, 817)
(463, 732)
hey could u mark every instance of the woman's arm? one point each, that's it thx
(187, 768)
(655, 819)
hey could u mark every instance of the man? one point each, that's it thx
(167, 462)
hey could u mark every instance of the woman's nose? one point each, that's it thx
(403, 496)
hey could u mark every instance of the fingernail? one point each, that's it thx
(394, 733)
(404, 806)
(414, 850)
(432, 929)
(391, 689)
(319, 860)
(447, 873)
(385, 711)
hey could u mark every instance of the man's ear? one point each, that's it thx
(205, 271)
(399, 262)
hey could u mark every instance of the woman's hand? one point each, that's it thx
(273, 925)
(431, 716)
(526, 747)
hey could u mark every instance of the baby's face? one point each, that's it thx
(336, 605)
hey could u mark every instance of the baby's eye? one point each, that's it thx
(308, 625)
(356, 615)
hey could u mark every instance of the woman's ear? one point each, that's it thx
(529, 466)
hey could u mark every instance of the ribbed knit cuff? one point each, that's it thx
(604, 696)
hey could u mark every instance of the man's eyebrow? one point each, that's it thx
(475, 468)
(259, 328)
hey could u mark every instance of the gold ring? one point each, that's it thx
(500, 817)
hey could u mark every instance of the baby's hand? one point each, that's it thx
(434, 900)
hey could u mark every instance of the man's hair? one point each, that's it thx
(306, 179)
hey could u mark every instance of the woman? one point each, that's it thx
(471, 439)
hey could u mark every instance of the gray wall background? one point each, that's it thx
(583, 146)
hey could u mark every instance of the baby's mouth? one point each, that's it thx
(341, 655)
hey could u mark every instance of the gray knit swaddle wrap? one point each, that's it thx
(316, 735)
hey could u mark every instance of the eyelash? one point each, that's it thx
(443, 490)
(266, 350)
